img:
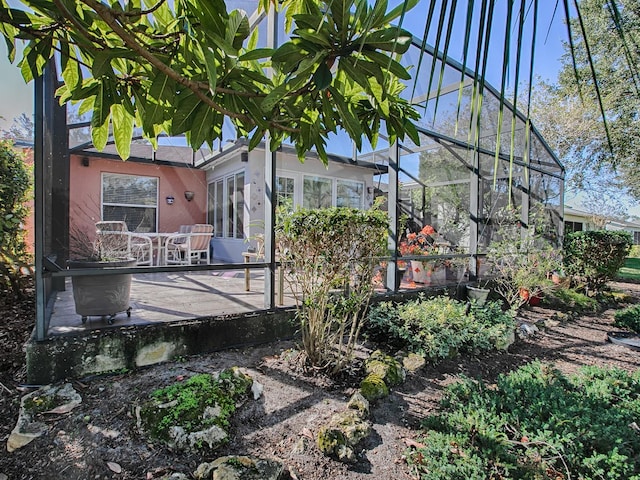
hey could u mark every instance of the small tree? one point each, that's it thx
(330, 256)
(15, 184)
(521, 259)
(594, 257)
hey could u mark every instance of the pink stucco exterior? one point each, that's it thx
(85, 191)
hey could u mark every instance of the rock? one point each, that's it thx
(413, 362)
(373, 387)
(527, 330)
(359, 403)
(387, 367)
(175, 476)
(561, 316)
(240, 468)
(257, 389)
(213, 436)
(46, 400)
(300, 446)
(205, 404)
(344, 431)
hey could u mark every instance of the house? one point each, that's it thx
(236, 183)
(162, 190)
(576, 220)
(151, 192)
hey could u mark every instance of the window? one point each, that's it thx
(132, 199)
(349, 193)
(636, 238)
(226, 206)
(215, 210)
(285, 191)
(570, 227)
(317, 192)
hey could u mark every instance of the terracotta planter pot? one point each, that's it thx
(533, 300)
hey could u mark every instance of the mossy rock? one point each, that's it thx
(360, 404)
(241, 468)
(195, 414)
(373, 387)
(387, 367)
(413, 362)
(504, 341)
(345, 430)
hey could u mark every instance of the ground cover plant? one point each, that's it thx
(567, 298)
(440, 327)
(628, 318)
(535, 423)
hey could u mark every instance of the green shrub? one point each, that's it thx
(594, 257)
(535, 424)
(329, 257)
(15, 184)
(628, 318)
(439, 327)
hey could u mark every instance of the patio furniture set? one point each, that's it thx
(188, 246)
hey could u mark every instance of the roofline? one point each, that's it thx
(111, 156)
(242, 144)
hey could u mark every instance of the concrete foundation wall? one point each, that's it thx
(103, 351)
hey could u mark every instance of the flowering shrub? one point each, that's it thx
(420, 243)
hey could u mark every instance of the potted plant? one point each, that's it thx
(477, 293)
(418, 244)
(521, 262)
(100, 295)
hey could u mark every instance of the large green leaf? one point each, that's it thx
(238, 29)
(322, 76)
(122, 129)
(257, 54)
(210, 64)
(102, 64)
(388, 63)
(182, 121)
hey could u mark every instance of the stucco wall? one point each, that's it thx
(85, 192)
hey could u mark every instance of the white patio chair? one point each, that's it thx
(115, 240)
(187, 248)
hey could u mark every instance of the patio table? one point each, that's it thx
(159, 238)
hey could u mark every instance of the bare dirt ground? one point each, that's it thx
(280, 425)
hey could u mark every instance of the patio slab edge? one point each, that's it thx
(134, 346)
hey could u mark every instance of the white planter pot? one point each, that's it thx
(96, 295)
(421, 272)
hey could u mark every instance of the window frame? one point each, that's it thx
(156, 206)
(232, 206)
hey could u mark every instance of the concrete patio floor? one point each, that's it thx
(168, 297)
(159, 298)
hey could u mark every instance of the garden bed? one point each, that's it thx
(283, 423)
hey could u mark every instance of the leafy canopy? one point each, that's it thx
(188, 66)
(612, 32)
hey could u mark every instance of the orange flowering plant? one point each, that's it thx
(420, 243)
